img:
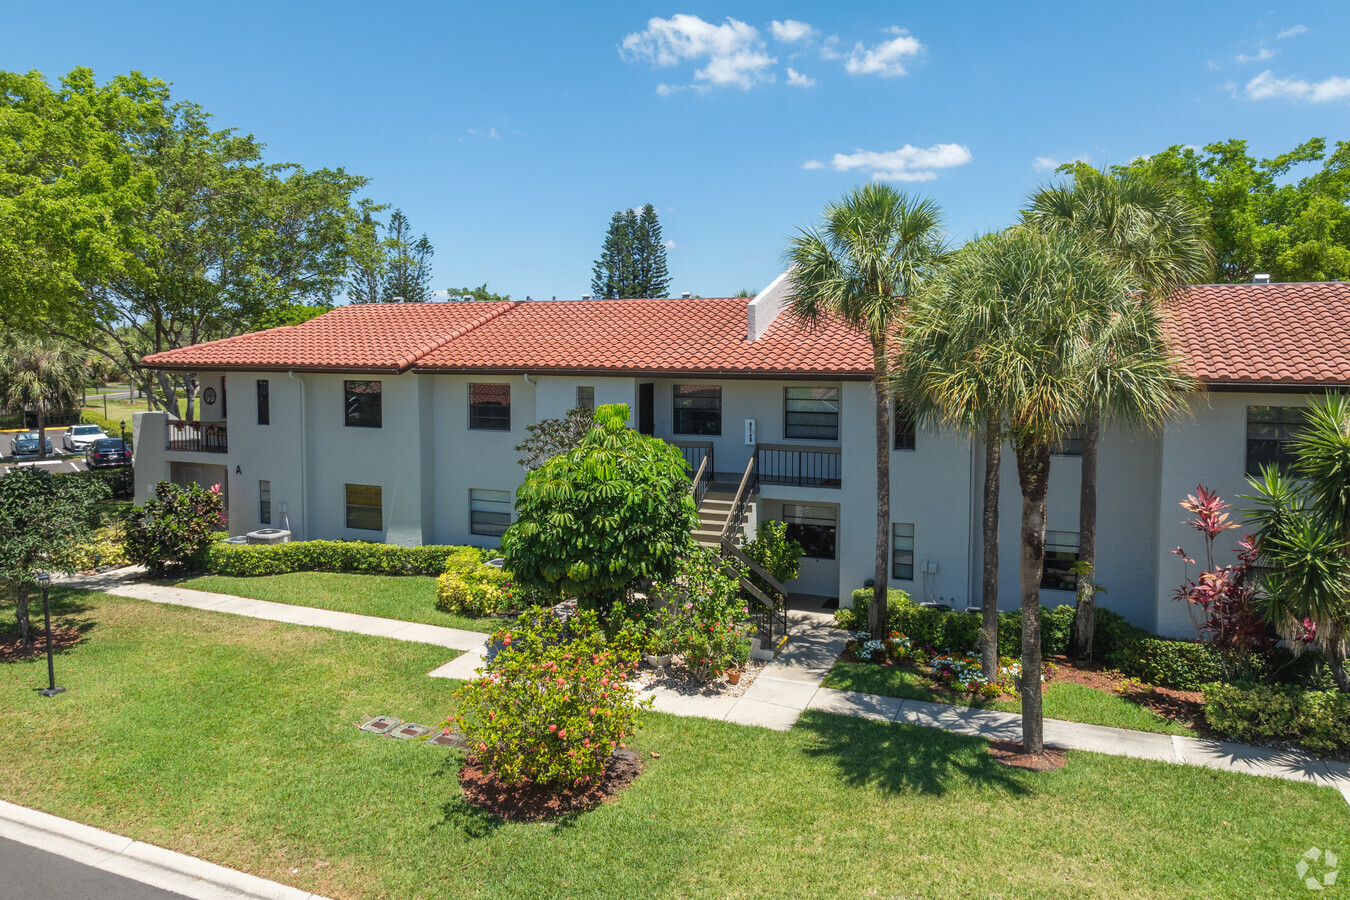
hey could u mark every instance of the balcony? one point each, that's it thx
(196, 437)
(694, 452)
(801, 466)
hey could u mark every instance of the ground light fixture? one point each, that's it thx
(51, 690)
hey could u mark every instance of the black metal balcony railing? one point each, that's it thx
(805, 466)
(694, 452)
(197, 437)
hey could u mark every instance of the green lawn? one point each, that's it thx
(232, 739)
(1063, 699)
(122, 410)
(411, 598)
(111, 510)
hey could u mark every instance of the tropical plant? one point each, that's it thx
(1303, 536)
(774, 552)
(42, 375)
(44, 520)
(175, 528)
(549, 437)
(594, 522)
(1145, 225)
(872, 250)
(553, 703)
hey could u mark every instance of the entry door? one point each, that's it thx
(646, 416)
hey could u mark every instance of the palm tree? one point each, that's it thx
(43, 375)
(1304, 536)
(943, 375)
(1148, 228)
(1014, 330)
(872, 250)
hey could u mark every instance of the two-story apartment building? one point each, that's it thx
(398, 423)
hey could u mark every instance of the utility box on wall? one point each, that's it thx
(749, 432)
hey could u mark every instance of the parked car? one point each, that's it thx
(81, 437)
(108, 452)
(26, 444)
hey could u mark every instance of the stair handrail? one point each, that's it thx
(738, 506)
(698, 487)
(737, 554)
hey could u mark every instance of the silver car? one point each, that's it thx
(81, 437)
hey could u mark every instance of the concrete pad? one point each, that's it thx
(1249, 760)
(685, 705)
(1114, 741)
(985, 723)
(464, 667)
(748, 711)
(854, 703)
(792, 694)
(453, 638)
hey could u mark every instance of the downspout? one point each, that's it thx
(304, 423)
(529, 382)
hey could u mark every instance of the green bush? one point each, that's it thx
(957, 631)
(471, 587)
(359, 557)
(111, 427)
(175, 528)
(553, 704)
(108, 544)
(1183, 665)
(1319, 720)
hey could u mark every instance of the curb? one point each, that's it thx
(145, 863)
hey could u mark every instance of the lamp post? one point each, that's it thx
(51, 690)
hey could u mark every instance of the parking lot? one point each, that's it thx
(60, 459)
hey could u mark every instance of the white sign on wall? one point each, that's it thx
(749, 431)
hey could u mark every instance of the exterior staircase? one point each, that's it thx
(717, 508)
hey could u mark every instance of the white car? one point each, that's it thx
(78, 438)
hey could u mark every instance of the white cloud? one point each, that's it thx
(1292, 32)
(1266, 86)
(1050, 163)
(790, 31)
(488, 133)
(1263, 53)
(670, 245)
(909, 163)
(797, 79)
(885, 59)
(732, 53)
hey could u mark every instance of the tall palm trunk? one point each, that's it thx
(1033, 474)
(1334, 647)
(1085, 612)
(876, 614)
(993, 458)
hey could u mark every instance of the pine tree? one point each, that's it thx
(408, 278)
(608, 275)
(369, 262)
(632, 259)
(653, 277)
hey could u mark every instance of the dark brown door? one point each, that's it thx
(646, 417)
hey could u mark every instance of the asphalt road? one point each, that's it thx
(27, 873)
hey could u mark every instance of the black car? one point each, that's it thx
(108, 452)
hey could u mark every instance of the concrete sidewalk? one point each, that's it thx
(107, 854)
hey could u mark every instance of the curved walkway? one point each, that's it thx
(784, 689)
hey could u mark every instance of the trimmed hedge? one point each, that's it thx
(1319, 720)
(471, 587)
(111, 427)
(359, 557)
(1183, 665)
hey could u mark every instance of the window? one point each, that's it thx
(813, 527)
(1061, 552)
(1269, 431)
(586, 396)
(902, 551)
(364, 508)
(906, 429)
(812, 413)
(489, 512)
(265, 502)
(490, 407)
(264, 403)
(363, 403)
(1072, 442)
(698, 409)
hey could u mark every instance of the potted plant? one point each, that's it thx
(660, 640)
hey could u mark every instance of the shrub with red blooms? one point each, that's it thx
(553, 703)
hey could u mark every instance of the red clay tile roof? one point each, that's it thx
(669, 336)
(361, 337)
(1278, 334)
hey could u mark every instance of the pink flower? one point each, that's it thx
(553, 728)
(563, 733)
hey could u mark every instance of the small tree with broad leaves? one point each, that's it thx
(173, 529)
(549, 437)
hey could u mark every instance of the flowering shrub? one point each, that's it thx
(896, 647)
(705, 617)
(174, 529)
(711, 648)
(552, 704)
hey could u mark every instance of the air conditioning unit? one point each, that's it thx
(268, 536)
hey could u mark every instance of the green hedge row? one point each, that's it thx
(1319, 720)
(111, 427)
(326, 556)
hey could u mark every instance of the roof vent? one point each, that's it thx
(587, 297)
(1261, 279)
(685, 296)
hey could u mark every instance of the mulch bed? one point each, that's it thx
(1186, 708)
(1010, 754)
(62, 639)
(529, 802)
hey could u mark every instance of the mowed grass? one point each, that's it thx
(410, 598)
(1062, 699)
(232, 739)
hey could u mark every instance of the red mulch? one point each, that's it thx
(1010, 754)
(62, 639)
(529, 802)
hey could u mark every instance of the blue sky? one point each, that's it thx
(509, 133)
